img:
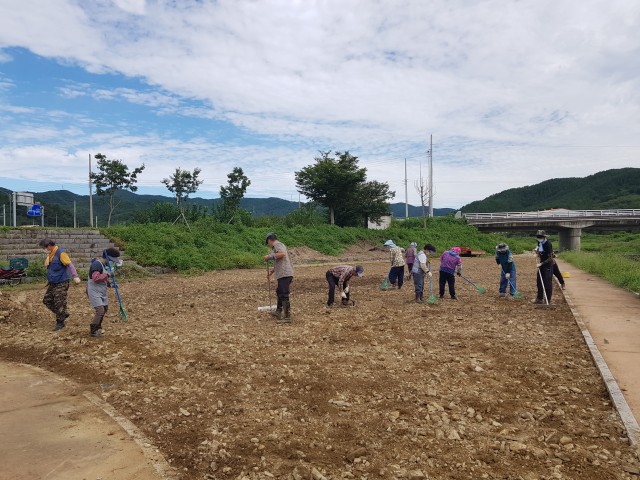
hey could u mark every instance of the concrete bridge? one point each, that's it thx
(568, 223)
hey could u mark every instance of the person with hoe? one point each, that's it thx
(544, 265)
(397, 264)
(97, 284)
(504, 258)
(422, 268)
(60, 271)
(450, 265)
(340, 276)
(410, 257)
(283, 270)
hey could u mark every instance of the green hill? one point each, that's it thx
(611, 189)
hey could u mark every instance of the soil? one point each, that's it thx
(481, 387)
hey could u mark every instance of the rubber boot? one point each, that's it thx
(59, 326)
(95, 331)
(277, 313)
(418, 298)
(287, 311)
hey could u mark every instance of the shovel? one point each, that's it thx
(478, 288)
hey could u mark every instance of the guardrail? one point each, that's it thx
(625, 212)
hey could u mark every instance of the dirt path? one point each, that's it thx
(481, 387)
(612, 316)
(50, 431)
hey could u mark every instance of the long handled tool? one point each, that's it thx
(432, 298)
(544, 290)
(123, 314)
(517, 294)
(478, 288)
(270, 307)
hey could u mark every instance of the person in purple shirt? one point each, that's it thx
(450, 264)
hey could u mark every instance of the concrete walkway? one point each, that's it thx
(50, 430)
(612, 316)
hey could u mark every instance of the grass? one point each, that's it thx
(614, 257)
(210, 245)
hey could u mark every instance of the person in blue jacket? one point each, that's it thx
(504, 258)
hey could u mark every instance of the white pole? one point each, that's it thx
(431, 178)
(42, 215)
(15, 218)
(90, 197)
(4, 214)
(75, 223)
(406, 193)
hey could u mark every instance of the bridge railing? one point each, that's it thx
(623, 212)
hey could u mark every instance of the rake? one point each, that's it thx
(478, 288)
(432, 298)
(123, 314)
(517, 294)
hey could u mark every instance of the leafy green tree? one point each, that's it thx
(370, 202)
(341, 186)
(183, 183)
(231, 195)
(113, 175)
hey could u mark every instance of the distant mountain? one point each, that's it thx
(398, 211)
(610, 189)
(58, 207)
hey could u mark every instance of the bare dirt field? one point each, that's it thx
(476, 388)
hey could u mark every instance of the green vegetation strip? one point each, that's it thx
(209, 245)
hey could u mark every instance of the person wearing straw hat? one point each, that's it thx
(339, 276)
(544, 266)
(422, 268)
(504, 258)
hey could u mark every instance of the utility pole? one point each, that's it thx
(431, 177)
(90, 197)
(15, 218)
(75, 222)
(406, 193)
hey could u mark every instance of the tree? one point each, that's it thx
(331, 180)
(371, 200)
(113, 175)
(341, 186)
(231, 195)
(182, 183)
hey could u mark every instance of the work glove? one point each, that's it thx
(343, 295)
(76, 280)
(538, 265)
(346, 289)
(430, 274)
(507, 275)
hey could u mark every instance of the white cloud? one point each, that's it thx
(514, 92)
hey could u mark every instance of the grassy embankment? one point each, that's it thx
(214, 246)
(614, 257)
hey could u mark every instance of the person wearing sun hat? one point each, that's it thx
(544, 266)
(397, 264)
(339, 276)
(450, 264)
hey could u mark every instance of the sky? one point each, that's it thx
(513, 92)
